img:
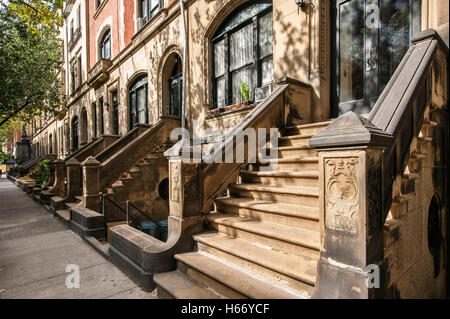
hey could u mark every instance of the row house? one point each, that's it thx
(358, 90)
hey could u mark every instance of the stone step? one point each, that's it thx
(79, 198)
(307, 196)
(135, 172)
(308, 129)
(295, 215)
(297, 151)
(177, 285)
(64, 215)
(290, 270)
(280, 178)
(230, 280)
(309, 163)
(288, 239)
(294, 140)
(71, 205)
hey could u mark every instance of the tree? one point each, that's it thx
(30, 60)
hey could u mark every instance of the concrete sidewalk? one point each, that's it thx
(36, 248)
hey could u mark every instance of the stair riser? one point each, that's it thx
(293, 142)
(303, 131)
(163, 294)
(273, 275)
(291, 166)
(290, 248)
(209, 282)
(271, 217)
(297, 153)
(281, 181)
(312, 201)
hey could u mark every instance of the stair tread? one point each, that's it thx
(70, 205)
(318, 124)
(293, 190)
(295, 210)
(79, 198)
(306, 159)
(293, 235)
(296, 137)
(64, 214)
(240, 279)
(295, 174)
(181, 286)
(296, 267)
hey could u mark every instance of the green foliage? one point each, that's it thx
(4, 156)
(44, 173)
(245, 91)
(30, 59)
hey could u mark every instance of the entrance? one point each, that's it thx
(370, 40)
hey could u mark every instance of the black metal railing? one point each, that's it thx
(143, 214)
(126, 211)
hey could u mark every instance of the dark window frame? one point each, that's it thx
(132, 93)
(105, 38)
(257, 60)
(149, 13)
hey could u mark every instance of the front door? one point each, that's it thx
(370, 39)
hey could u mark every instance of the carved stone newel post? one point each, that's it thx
(91, 183)
(185, 198)
(350, 170)
(59, 186)
(73, 179)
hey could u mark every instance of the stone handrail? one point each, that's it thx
(121, 142)
(359, 159)
(128, 156)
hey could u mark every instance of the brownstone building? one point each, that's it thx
(358, 91)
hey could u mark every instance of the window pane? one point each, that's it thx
(154, 4)
(241, 47)
(220, 93)
(266, 35)
(108, 48)
(141, 105)
(245, 13)
(395, 37)
(239, 77)
(219, 58)
(351, 42)
(267, 71)
(133, 108)
(144, 8)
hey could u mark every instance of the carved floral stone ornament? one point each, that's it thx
(341, 194)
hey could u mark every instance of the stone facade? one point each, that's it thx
(109, 48)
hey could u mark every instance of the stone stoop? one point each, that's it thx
(264, 240)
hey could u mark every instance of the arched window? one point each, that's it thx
(138, 101)
(75, 132)
(105, 46)
(243, 53)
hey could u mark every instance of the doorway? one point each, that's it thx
(369, 41)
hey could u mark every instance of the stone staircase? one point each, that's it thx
(265, 239)
(139, 185)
